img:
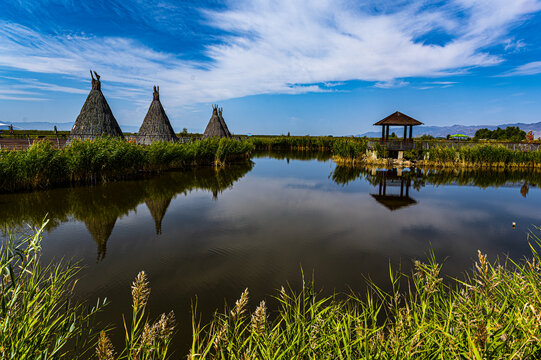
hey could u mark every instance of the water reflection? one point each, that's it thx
(99, 207)
(278, 219)
(393, 179)
(419, 177)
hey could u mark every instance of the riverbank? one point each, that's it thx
(89, 162)
(492, 312)
(471, 157)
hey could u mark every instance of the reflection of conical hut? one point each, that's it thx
(156, 125)
(101, 230)
(96, 118)
(222, 121)
(158, 208)
(215, 127)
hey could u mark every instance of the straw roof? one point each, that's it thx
(96, 118)
(215, 127)
(399, 119)
(222, 121)
(156, 125)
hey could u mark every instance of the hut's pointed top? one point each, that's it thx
(156, 125)
(96, 83)
(96, 118)
(216, 126)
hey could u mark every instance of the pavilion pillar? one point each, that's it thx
(411, 132)
(387, 133)
(382, 132)
(405, 132)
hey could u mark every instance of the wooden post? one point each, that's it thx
(411, 132)
(382, 132)
(387, 135)
(405, 132)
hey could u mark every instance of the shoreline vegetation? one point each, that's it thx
(42, 166)
(106, 159)
(494, 311)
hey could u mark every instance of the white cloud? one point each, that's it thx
(271, 45)
(531, 68)
(391, 84)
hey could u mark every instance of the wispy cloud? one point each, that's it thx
(531, 68)
(267, 46)
(391, 84)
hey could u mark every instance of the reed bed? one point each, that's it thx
(349, 151)
(39, 318)
(481, 156)
(106, 159)
(494, 313)
(315, 143)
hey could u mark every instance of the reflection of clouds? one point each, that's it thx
(261, 231)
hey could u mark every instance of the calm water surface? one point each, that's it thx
(210, 234)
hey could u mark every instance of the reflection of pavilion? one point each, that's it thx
(393, 178)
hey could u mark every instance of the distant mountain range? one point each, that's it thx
(442, 131)
(66, 126)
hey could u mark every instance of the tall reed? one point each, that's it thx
(493, 313)
(38, 317)
(100, 160)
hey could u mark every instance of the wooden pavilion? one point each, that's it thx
(398, 119)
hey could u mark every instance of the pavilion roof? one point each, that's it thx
(399, 119)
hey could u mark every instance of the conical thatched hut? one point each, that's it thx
(156, 125)
(96, 118)
(222, 121)
(215, 127)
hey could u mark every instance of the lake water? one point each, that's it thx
(211, 233)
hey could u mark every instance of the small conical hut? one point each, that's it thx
(222, 121)
(156, 125)
(158, 208)
(96, 118)
(215, 127)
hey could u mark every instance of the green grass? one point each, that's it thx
(38, 318)
(494, 312)
(483, 155)
(293, 142)
(101, 160)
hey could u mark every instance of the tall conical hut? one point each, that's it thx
(156, 125)
(222, 121)
(215, 127)
(96, 118)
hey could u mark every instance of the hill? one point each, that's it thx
(442, 131)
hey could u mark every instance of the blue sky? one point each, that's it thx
(308, 67)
